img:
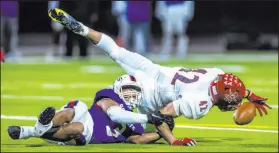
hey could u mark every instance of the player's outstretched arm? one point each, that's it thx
(145, 138)
(119, 115)
(164, 131)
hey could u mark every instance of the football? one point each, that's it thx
(245, 113)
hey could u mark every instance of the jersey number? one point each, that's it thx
(112, 132)
(203, 105)
(185, 79)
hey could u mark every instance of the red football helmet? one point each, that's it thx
(226, 91)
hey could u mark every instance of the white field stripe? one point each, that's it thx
(226, 129)
(5, 96)
(33, 118)
(74, 85)
(42, 97)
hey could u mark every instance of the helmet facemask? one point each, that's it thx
(131, 94)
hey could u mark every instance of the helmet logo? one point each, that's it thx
(231, 97)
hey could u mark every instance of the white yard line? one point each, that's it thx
(6, 96)
(74, 85)
(25, 118)
(33, 118)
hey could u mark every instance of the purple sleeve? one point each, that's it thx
(109, 93)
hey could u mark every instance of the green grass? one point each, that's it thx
(28, 80)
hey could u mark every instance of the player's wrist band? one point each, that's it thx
(247, 93)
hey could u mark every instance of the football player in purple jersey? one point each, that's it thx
(75, 124)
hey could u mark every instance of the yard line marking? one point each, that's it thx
(74, 85)
(101, 69)
(43, 97)
(6, 96)
(33, 118)
(226, 129)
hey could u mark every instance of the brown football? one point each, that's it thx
(245, 113)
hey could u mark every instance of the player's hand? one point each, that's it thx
(261, 107)
(252, 97)
(184, 142)
(259, 102)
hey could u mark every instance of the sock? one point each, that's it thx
(42, 129)
(85, 30)
(27, 132)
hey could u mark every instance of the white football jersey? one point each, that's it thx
(171, 84)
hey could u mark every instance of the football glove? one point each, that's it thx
(158, 118)
(169, 121)
(258, 101)
(184, 142)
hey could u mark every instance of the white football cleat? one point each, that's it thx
(44, 122)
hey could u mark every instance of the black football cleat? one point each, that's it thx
(14, 132)
(46, 115)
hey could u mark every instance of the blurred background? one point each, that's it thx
(156, 29)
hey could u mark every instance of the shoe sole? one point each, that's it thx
(64, 18)
(47, 115)
(53, 13)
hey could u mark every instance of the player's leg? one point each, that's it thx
(49, 120)
(79, 123)
(68, 134)
(56, 37)
(74, 111)
(13, 25)
(83, 46)
(43, 124)
(167, 39)
(69, 44)
(2, 20)
(182, 41)
(124, 30)
(122, 56)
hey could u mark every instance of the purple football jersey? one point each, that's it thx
(9, 9)
(138, 11)
(105, 130)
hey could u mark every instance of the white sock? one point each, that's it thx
(42, 129)
(27, 132)
(85, 30)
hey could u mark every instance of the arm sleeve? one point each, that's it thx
(119, 115)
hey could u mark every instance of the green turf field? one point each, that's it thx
(26, 89)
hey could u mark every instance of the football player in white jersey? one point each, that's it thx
(174, 91)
